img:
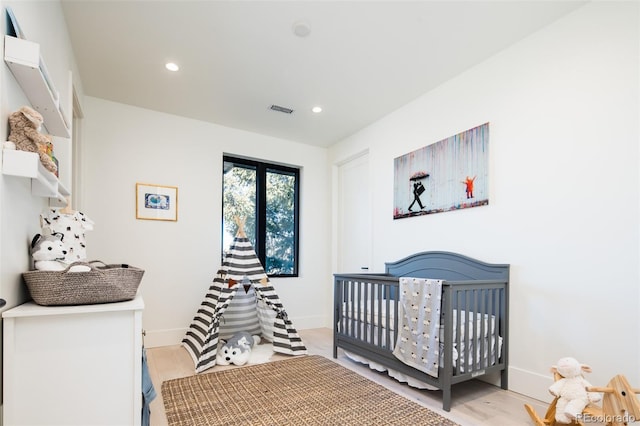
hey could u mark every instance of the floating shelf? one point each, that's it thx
(27, 164)
(24, 60)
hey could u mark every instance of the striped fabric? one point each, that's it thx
(266, 317)
(241, 315)
(241, 263)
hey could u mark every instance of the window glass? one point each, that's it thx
(239, 200)
(281, 219)
(266, 196)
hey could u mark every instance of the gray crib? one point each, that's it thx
(475, 301)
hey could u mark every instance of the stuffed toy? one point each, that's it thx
(571, 389)
(237, 349)
(25, 133)
(47, 251)
(73, 226)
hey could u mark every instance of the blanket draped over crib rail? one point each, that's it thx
(418, 342)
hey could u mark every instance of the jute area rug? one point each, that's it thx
(303, 390)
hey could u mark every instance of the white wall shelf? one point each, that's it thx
(28, 164)
(24, 60)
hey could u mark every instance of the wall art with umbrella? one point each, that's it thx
(450, 174)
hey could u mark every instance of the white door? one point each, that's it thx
(354, 215)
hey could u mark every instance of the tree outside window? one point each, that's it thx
(266, 197)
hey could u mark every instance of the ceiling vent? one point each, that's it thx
(281, 109)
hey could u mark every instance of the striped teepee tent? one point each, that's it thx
(241, 272)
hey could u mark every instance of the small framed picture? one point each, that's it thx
(156, 202)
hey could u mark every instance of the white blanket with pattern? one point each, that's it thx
(418, 342)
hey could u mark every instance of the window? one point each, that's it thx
(266, 196)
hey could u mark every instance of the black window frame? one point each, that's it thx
(262, 167)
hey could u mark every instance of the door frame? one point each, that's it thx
(337, 219)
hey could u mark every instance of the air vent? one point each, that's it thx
(281, 109)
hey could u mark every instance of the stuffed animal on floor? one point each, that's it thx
(48, 253)
(237, 349)
(25, 133)
(571, 389)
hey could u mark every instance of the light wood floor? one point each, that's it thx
(474, 403)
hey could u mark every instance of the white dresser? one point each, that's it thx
(73, 365)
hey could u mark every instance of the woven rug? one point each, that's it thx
(304, 390)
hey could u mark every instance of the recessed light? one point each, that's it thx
(171, 66)
(301, 29)
(316, 109)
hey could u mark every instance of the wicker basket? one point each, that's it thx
(102, 284)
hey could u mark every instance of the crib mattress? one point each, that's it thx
(476, 324)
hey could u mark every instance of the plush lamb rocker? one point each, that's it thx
(25, 133)
(571, 389)
(237, 349)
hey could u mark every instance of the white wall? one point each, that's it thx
(123, 145)
(564, 189)
(43, 23)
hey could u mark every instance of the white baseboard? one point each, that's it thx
(530, 384)
(305, 323)
(155, 338)
(170, 337)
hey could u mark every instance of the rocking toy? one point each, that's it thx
(620, 406)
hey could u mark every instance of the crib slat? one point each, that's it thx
(470, 351)
(477, 338)
(459, 337)
(379, 329)
(387, 344)
(365, 309)
(358, 303)
(497, 331)
(491, 311)
(352, 315)
(484, 320)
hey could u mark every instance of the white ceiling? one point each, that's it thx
(361, 60)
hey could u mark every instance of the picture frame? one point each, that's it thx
(448, 175)
(156, 202)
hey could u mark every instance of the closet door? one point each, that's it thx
(354, 215)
